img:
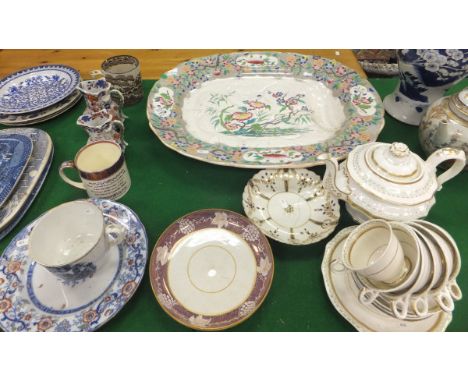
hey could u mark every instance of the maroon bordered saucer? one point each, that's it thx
(211, 269)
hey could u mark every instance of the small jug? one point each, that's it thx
(100, 126)
(99, 95)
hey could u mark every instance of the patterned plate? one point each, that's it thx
(31, 299)
(35, 117)
(264, 109)
(15, 151)
(211, 269)
(36, 88)
(37, 164)
(291, 206)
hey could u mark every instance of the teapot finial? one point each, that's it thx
(399, 149)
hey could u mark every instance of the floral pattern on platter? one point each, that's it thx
(363, 110)
(36, 88)
(279, 115)
(256, 60)
(200, 220)
(19, 313)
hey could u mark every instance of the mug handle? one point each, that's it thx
(441, 155)
(70, 164)
(119, 128)
(115, 233)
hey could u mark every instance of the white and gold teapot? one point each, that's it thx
(388, 181)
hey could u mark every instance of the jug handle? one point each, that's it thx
(441, 155)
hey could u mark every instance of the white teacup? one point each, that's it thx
(412, 273)
(373, 251)
(71, 240)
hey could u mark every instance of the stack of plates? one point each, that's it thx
(25, 157)
(36, 94)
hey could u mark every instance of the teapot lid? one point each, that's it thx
(391, 172)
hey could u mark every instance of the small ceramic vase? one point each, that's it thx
(100, 126)
(99, 95)
(446, 124)
(425, 74)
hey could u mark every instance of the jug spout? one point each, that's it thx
(332, 178)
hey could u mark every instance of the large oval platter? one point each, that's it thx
(264, 109)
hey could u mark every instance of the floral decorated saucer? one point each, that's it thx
(211, 269)
(32, 299)
(264, 109)
(343, 293)
(291, 206)
(36, 88)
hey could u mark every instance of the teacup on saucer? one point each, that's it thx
(70, 240)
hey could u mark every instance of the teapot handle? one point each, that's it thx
(441, 155)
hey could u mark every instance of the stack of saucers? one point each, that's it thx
(38, 93)
(399, 276)
(25, 158)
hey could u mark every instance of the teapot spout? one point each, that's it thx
(332, 177)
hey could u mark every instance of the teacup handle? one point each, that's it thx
(70, 164)
(441, 155)
(400, 308)
(115, 233)
(421, 306)
(455, 290)
(367, 296)
(445, 301)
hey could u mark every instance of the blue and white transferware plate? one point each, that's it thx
(15, 151)
(37, 165)
(36, 88)
(35, 117)
(32, 299)
(30, 199)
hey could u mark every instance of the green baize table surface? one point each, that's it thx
(167, 185)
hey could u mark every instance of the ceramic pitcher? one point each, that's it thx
(99, 96)
(425, 74)
(101, 126)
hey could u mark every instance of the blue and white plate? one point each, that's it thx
(15, 151)
(36, 167)
(32, 299)
(25, 207)
(36, 88)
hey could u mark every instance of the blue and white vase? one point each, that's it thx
(425, 75)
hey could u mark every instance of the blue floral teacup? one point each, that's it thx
(72, 239)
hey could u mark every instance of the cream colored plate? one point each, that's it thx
(343, 294)
(291, 206)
